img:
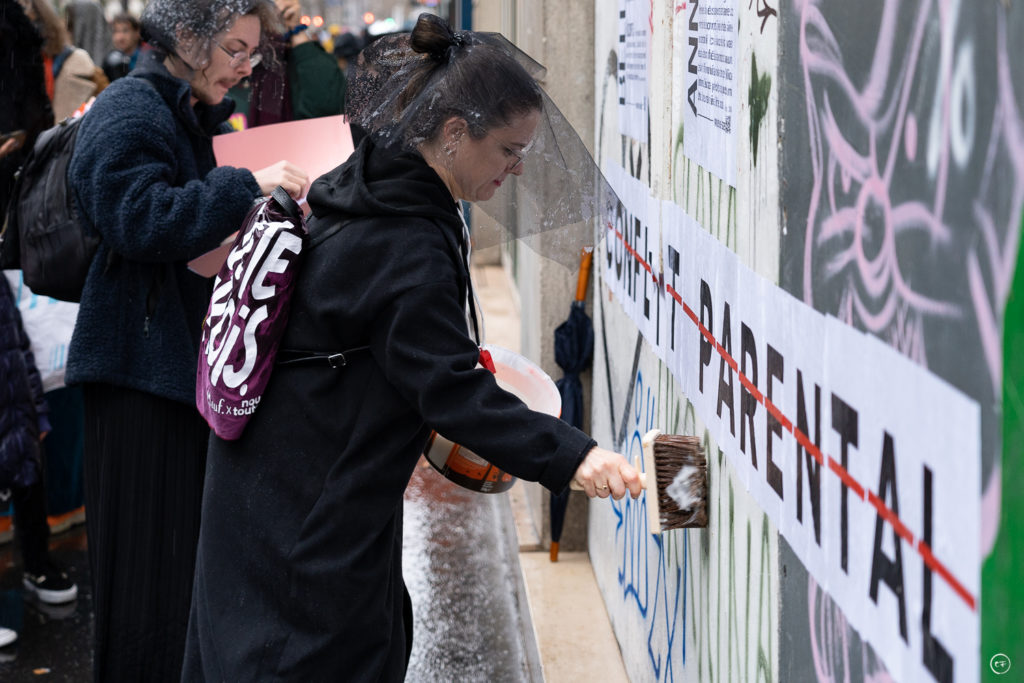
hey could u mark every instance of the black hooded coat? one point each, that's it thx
(299, 569)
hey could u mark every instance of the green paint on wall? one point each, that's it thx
(765, 657)
(677, 158)
(1002, 593)
(757, 97)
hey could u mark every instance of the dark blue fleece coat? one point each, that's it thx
(144, 177)
(23, 410)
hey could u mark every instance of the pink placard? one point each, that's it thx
(314, 145)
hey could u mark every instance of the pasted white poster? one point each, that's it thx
(711, 83)
(631, 261)
(633, 49)
(864, 460)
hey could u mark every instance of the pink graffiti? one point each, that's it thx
(869, 190)
(876, 292)
(830, 642)
(899, 152)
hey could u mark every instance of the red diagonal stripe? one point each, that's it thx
(940, 569)
(845, 477)
(810, 447)
(730, 361)
(777, 414)
(751, 388)
(890, 516)
(850, 482)
(675, 295)
(634, 254)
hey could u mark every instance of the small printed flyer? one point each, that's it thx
(633, 47)
(711, 85)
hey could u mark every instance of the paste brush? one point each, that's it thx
(675, 477)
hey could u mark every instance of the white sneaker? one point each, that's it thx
(53, 587)
(7, 636)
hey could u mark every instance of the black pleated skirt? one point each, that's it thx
(145, 458)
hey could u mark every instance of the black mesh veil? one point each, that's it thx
(550, 207)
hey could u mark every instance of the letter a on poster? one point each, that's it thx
(711, 84)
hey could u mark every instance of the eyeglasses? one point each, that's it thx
(238, 58)
(515, 159)
(519, 157)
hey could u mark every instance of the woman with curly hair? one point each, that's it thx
(146, 181)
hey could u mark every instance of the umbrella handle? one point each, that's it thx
(586, 256)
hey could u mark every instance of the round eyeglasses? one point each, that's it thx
(238, 58)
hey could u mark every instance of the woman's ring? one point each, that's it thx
(603, 488)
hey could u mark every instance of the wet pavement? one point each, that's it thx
(53, 642)
(460, 569)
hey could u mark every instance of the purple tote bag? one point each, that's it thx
(248, 313)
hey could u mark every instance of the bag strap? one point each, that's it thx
(327, 359)
(58, 61)
(324, 359)
(323, 235)
(287, 204)
(339, 359)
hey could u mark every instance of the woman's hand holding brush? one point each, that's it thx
(606, 473)
(675, 474)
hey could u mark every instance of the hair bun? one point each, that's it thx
(434, 37)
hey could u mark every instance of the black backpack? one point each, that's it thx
(42, 234)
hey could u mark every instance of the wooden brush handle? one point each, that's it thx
(648, 479)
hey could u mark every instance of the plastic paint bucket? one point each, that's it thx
(518, 376)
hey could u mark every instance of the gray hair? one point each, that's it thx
(175, 26)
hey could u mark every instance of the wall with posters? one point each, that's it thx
(812, 268)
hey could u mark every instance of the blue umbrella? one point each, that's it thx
(574, 349)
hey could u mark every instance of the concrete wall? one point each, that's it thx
(879, 180)
(694, 605)
(865, 213)
(560, 36)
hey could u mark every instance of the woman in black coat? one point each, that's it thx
(299, 567)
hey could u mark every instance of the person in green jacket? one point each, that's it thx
(305, 83)
(317, 83)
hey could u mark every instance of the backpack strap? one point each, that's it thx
(58, 61)
(285, 201)
(339, 359)
(324, 359)
(323, 235)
